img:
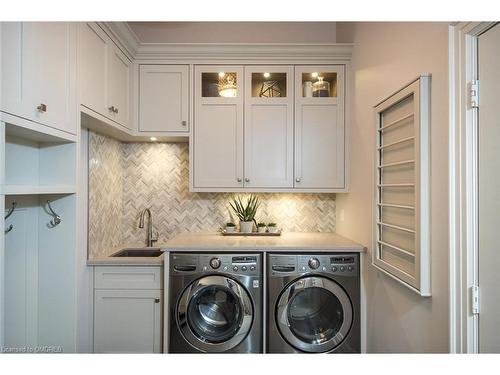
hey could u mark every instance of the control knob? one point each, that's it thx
(215, 263)
(313, 263)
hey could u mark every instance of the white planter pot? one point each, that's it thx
(246, 226)
(230, 229)
(262, 229)
(272, 229)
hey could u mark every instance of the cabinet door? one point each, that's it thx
(93, 57)
(127, 321)
(218, 127)
(119, 68)
(319, 127)
(163, 98)
(269, 127)
(39, 61)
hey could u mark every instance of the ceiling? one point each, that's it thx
(235, 32)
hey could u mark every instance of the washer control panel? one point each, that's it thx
(236, 264)
(337, 264)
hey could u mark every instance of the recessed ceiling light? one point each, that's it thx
(153, 139)
(267, 75)
(314, 75)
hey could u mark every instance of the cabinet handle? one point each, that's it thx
(247, 179)
(116, 110)
(112, 108)
(184, 123)
(239, 179)
(157, 300)
(42, 108)
(297, 179)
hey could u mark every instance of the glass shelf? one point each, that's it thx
(220, 84)
(319, 84)
(269, 85)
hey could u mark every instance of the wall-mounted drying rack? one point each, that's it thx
(11, 211)
(56, 218)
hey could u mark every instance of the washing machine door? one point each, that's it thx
(314, 314)
(215, 313)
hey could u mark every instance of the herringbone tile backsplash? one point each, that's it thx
(125, 178)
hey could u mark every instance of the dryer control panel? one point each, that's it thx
(338, 264)
(235, 264)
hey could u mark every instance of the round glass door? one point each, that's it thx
(215, 313)
(314, 314)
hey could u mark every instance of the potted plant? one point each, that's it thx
(272, 228)
(261, 227)
(230, 227)
(245, 212)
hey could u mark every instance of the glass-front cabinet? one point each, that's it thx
(268, 161)
(319, 127)
(269, 128)
(218, 127)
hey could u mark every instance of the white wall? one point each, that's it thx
(386, 57)
(235, 32)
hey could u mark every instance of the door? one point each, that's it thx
(93, 57)
(314, 314)
(127, 321)
(269, 127)
(39, 61)
(118, 87)
(488, 188)
(214, 313)
(319, 127)
(163, 98)
(218, 127)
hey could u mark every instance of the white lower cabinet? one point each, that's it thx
(128, 320)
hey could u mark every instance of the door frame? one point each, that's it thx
(463, 203)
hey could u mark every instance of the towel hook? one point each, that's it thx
(11, 211)
(56, 218)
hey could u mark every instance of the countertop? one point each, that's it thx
(287, 242)
(292, 242)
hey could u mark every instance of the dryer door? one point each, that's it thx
(314, 314)
(215, 313)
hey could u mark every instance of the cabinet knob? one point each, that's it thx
(112, 108)
(184, 123)
(157, 300)
(42, 108)
(297, 179)
(116, 110)
(239, 179)
(247, 179)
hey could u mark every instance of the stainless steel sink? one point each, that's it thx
(150, 252)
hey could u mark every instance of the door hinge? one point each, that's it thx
(474, 93)
(475, 299)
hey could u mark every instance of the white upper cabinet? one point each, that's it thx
(39, 72)
(218, 132)
(119, 86)
(105, 75)
(319, 128)
(268, 127)
(164, 98)
(93, 59)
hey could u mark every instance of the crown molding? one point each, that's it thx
(124, 35)
(206, 52)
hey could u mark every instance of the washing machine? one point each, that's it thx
(313, 303)
(215, 303)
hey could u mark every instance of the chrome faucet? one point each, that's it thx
(150, 239)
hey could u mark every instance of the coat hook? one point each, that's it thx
(56, 218)
(11, 211)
